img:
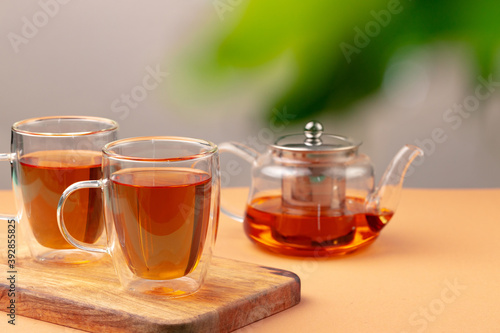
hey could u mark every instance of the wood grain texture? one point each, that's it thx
(89, 297)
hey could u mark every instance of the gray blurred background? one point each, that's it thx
(84, 58)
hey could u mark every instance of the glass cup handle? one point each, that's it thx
(10, 158)
(60, 219)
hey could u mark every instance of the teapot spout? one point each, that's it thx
(386, 197)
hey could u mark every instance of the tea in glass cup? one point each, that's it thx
(49, 154)
(161, 199)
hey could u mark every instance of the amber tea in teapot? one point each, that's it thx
(308, 231)
(313, 194)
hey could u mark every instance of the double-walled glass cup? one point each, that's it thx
(47, 155)
(161, 198)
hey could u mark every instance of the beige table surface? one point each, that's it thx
(435, 268)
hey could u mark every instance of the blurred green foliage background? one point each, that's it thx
(339, 50)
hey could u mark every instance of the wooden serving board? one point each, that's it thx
(89, 297)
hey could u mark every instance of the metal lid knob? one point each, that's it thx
(313, 131)
(313, 139)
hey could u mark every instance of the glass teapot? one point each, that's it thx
(312, 194)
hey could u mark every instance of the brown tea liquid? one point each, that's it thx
(309, 232)
(44, 175)
(161, 216)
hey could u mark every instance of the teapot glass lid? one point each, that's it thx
(313, 139)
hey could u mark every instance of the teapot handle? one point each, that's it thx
(246, 153)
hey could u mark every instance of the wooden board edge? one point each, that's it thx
(286, 295)
(34, 305)
(30, 304)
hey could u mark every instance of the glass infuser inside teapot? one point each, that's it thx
(313, 194)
